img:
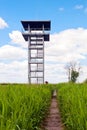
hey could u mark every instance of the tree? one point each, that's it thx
(73, 71)
(74, 76)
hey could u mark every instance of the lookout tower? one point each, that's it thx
(35, 33)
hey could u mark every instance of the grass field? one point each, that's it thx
(22, 107)
(73, 105)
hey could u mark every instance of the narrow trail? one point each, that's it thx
(53, 120)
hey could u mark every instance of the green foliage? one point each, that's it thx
(73, 71)
(73, 105)
(74, 75)
(23, 107)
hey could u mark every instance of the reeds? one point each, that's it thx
(23, 107)
(73, 105)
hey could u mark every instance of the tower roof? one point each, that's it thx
(36, 25)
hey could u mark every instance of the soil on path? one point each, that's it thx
(53, 120)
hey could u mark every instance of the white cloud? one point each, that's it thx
(3, 24)
(78, 7)
(17, 39)
(61, 9)
(83, 74)
(81, 7)
(8, 52)
(68, 45)
(65, 46)
(55, 73)
(15, 72)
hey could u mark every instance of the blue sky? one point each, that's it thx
(68, 32)
(15, 11)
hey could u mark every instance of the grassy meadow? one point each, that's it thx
(72, 100)
(22, 107)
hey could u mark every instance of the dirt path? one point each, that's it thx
(53, 120)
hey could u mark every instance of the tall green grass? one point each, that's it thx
(23, 107)
(73, 105)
